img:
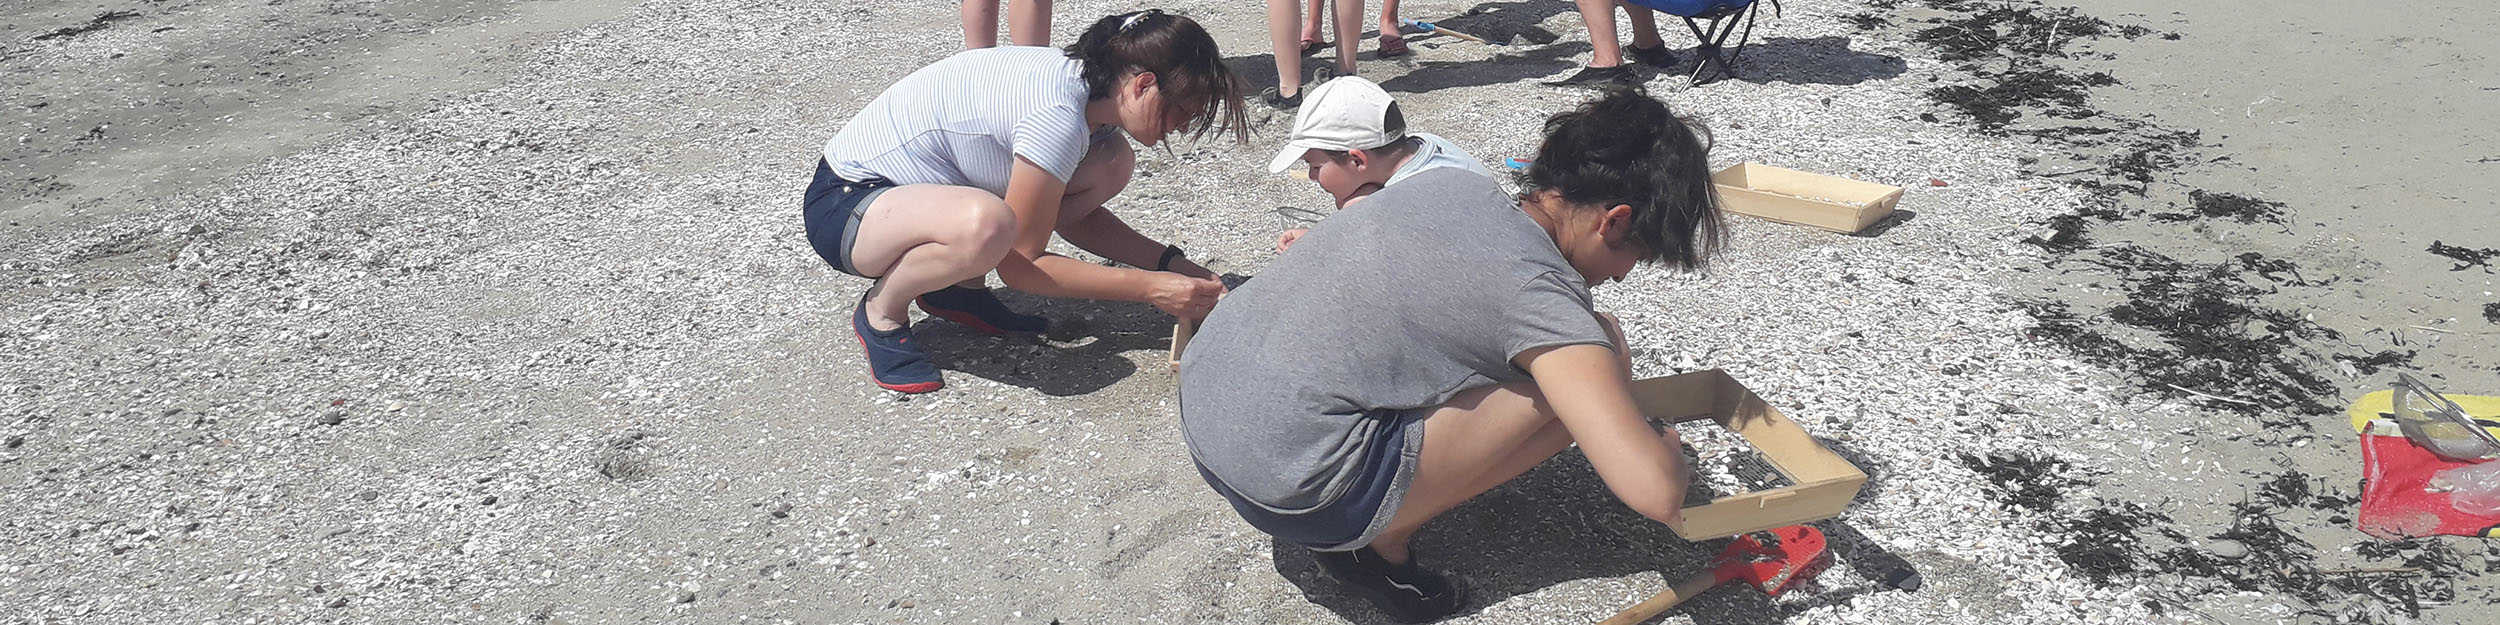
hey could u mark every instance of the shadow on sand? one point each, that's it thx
(1558, 523)
(1084, 351)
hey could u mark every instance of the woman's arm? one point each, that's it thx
(1591, 393)
(1033, 195)
(1104, 233)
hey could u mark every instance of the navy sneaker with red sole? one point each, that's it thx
(895, 360)
(980, 310)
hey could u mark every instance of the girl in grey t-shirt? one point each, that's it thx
(1437, 339)
(971, 163)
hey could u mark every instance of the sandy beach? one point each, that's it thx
(497, 312)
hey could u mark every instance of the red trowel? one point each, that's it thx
(1798, 555)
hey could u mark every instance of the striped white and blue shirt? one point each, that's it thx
(964, 120)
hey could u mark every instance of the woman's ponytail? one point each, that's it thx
(1191, 74)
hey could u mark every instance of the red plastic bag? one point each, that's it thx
(2395, 500)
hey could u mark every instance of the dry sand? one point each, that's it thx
(480, 312)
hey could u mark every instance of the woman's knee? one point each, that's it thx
(988, 228)
(1108, 164)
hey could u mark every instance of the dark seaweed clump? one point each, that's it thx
(2107, 544)
(1866, 21)
(2057, 93)
(2237, 207)
(2491, 312)
(2214, 337)
(2035, 483)
(2014, 31)
(2023, 36)
(2065, 235)
(2371, 364)
(99, 22)
(2104, 543)
(2466, 257)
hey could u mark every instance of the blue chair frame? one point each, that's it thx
(1723, 16)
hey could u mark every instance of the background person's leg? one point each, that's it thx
(1028, 21)
(920, 238)
(1644, 26)
(1605, 49)
(980, 23)
(1281, 19)
(1349, 20)
(1312, 17)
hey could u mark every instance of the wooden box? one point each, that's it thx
(1807, 199)
(1821, 483)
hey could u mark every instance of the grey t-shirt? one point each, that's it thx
(1427, 289)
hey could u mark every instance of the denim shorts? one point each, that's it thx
(1358, 516)
(834, 207)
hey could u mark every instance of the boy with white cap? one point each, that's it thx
(1354, 140)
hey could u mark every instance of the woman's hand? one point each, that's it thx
(1183, 296)
(1287, 238)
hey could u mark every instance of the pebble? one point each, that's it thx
(2227, 548)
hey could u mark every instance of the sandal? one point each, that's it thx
(1313, 46)
(1393, 47)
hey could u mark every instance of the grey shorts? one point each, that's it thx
(1358, 516)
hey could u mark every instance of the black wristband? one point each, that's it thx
(1169, 252)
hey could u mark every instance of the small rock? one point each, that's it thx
(781, 511)
(340, 602)
(333, 418)
(685, 596)
(15, 441)
(2227, 548)
(369, 495)
(1936, 182)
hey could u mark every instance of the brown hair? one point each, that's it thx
(1188, 70)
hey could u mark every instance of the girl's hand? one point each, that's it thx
(1183, 296)
(1286, 239)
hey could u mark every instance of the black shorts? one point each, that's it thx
(833, 208)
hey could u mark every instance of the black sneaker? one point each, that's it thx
(1281, 103)
(1657, 57)
(1598, 77)
(1406, 592)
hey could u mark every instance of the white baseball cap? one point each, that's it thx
(1347, 113)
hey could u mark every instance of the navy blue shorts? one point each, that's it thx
(834, 207)
(1356, 517)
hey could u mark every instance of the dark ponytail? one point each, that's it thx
(1188, 70)
(1627, 148)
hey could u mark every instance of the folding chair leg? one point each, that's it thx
(1710, 50)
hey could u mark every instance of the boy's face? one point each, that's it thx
(1348, 177)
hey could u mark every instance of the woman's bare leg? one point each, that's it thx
(980, 23)
(1477, 441)
(919, 238)
(1600, 16)
(1312, 17)
(1644, 26)
(1389, 18)
(1028, 21)
(1281, 19)
(1349, 20)
(1480, 439)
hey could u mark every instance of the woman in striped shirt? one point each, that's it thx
(971, 163)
